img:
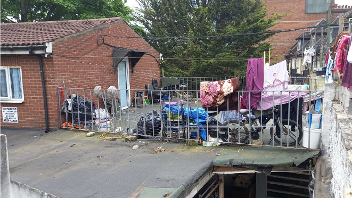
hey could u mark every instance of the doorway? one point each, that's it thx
(124, 83)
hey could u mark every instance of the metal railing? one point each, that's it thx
(179, 115)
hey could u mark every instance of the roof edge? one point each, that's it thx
(118, 20)
(63, 21)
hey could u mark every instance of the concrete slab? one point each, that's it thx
(69, 164)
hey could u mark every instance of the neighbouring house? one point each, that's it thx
(39, 57)
(317, 39)
(295, 14)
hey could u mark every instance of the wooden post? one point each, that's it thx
(221, 186)
(341, 23)
(269, 56)
(322, 62)
(261, 185)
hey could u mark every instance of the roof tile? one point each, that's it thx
(32, 33)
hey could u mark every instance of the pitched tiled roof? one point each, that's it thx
(34, 33)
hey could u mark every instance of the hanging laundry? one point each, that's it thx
(329, 69)
(318, 105)
(327, 57)
(337, 41)
(276, 77)
(308, 54)
(347, 77)
(214, 95)
(254, 82)
(341, 56)
(349, 55)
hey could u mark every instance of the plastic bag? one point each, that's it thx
(101, 113)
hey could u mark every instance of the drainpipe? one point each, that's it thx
(44, 93)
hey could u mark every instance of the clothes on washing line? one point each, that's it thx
(214, 95)
(308, 54)
(276, 77)
(341, 55)
(349, 55)
(337, 41)
(318, 105)
(329, 69)
(254, 82)
(269, 101)
(347, 77)
(327, 57)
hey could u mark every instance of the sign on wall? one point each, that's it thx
(9, 114)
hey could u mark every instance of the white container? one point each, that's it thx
(314, 138)
(314, 120)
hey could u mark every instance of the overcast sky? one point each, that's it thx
(133, 3)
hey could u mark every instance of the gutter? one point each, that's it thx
(45, 49)
(44, 93)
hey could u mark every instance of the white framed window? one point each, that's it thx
(11, 89)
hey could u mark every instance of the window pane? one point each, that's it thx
(3, 84)
(16, 83)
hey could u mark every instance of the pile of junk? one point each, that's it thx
(177, 121)
(81, 113)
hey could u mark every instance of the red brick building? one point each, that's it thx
(80, 53)
(295, 15)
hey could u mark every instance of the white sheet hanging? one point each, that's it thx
(276, 77)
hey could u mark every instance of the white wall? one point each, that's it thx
(4, 168)
(337, 138)
(19, 190)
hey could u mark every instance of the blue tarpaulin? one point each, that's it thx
(199, 115)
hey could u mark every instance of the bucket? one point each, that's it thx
(314, 138)
(314, 120)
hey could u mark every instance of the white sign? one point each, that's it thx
(9, 114)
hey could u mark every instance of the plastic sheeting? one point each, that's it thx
(199, 115)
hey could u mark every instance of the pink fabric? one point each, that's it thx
(347, 76)
(327, 58)
(341, 56)
(269, 101)
(214, 87)
(213, 94)
(254, 82)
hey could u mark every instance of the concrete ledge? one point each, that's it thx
(19, 190)
(4, 169)
(337, 128)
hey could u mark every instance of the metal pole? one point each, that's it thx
(58, 92)
(91, 107)
(329, 28)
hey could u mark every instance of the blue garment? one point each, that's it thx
(318, 105)
(329, 68)
(228, 116)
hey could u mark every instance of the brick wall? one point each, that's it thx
(31, 111)
(81, 63)
(294, 17)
